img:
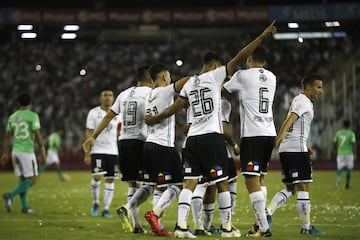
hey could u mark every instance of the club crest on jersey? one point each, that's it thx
(196, 81)
(132, 92)
(252, 166)
(216, 172)
(262, 78)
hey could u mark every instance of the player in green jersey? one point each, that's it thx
(23, 128)
(52, 158)
(345, 147)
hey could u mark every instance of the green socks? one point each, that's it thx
(23, 186)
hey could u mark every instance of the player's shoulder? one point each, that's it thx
(301, 97)
(94, 109)
(125, 91)
(29, 114)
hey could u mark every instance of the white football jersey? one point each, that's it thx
(203, 93)
(296, 137)
(106, 142)
(225, 117)
(162, 133)
(256, 91)
(130, 105)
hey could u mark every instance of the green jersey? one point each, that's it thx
(54, 142)
(22, 124)
(345, 138)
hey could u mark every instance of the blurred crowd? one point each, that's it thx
(50, 72)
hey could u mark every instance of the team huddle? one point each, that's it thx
(137, 130)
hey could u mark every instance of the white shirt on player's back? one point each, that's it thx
(203, 93)
(256, 88)
(106, 142)
(296, 137)
(130, 105)
(162, 133)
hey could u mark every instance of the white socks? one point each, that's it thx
(108, 195)
(95, 190)
(197, 206)
(208, 215)
(233, 191)
(258, 203)
(140, 196)
(135, 211)
(224, 201)
(303, 206)
(278, 200)
(184, 207)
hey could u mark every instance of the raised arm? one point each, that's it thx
(248, 49)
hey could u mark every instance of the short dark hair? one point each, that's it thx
(105, 89)
(141, 73)
(211, 57)
(157, 68)
(346, 123)
(259, 54)
(309, 79)
(24, 99)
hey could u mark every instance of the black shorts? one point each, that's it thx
(162, 165)
(206, 158)
(104, 164)
(130, 159)
(255, 154)
(296, 167)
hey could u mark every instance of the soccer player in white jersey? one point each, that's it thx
(103, 155)
(295, 154)
(204, 195)
(256, 90)
(162, 164)
(130, 106)
(205, 145)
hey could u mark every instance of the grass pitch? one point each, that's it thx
(63, 210)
